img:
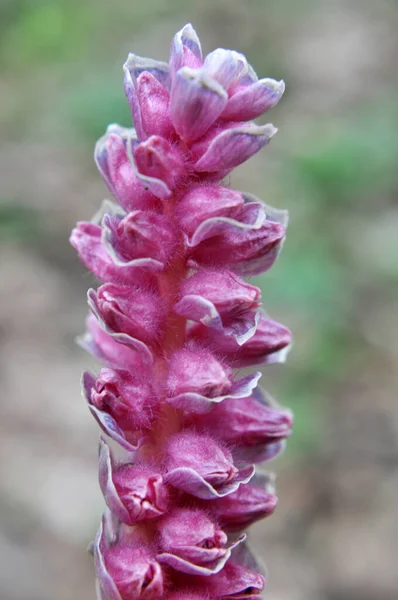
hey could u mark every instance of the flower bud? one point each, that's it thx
(247, 421)
(133, 493)
(269, 344)
(233, 582)
(142, 238)
(226, 147)
(86, 239)
(129, 310)
(195, 369)
(193, 544)
(106, 349)
(122, 406)
(203, 202)
(146, 84)
(250, 101)
(199, 466)
(157, 159)
(254, 426)
(225, 66)
(117, 170)
(219, 299)
(154, 101)
(197, 380)
(249, 503)
(247, 244)
(126, 571)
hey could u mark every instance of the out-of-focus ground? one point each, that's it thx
(333, 164)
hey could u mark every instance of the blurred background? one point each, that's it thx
(333, 164)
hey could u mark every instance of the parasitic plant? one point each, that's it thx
(172, 321)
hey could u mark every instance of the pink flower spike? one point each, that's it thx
(199, 466)
(193, 544)
(170, 321)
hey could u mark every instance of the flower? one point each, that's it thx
(126, 570)
(190, 542)
(249, 503)
(199, 466)
(219, 299)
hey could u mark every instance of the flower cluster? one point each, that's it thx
(172, 321)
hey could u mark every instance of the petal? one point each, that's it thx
(276, 215)
(191, 482)
(185, 49)
(154, 102)
(107, 486)
(106, 583)
(115, 160)
(247, 504)
(202, 202)
(270, 343)
(252, 101)
(198, 404)
(110, 241)
(159, 161)
(225, 66)
(215, 226)
(248, 244)
(196, 101)
(121, 338)
(104, 420)
(185, 566)
(156, 186)
(261, 453)
(198, 308)
(234, 582)
(133, 67)
(106, 349)
(233, 146)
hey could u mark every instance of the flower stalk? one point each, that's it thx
(172, 322)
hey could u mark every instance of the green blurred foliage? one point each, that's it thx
(44, 31)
